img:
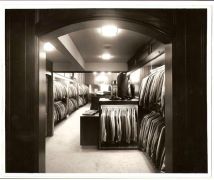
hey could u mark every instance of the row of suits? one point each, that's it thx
(72, 90)
(119, 125)
(82, 100)
(62, 90)
(151, 137)
(59, 90)
(152, 90)
(59, 111)
(83, 89)
(72, 105)
(66, 99)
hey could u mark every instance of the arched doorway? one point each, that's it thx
(142, 27)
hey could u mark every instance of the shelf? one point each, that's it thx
(118, 146)
(60, 77)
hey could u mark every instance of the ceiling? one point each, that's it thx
(92, 44)
(82, 46)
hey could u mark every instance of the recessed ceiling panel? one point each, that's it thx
(91, 44)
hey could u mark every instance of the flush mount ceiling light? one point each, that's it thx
(109, 30)
(106, 56)
(48, 47)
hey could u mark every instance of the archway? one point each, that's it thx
(133, 25)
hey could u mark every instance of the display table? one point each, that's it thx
(89, 130)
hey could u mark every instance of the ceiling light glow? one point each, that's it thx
(101, 79)
(109, 30)
(48, 47)
(106, 56)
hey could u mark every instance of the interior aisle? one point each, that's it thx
(65, 155)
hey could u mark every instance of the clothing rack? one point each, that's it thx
(63, 102)
(105, 104)
(152, 104)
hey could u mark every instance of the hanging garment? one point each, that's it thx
(118, 125)
(74, 102)
(162, 101)
(154, 124)
(60, 110)
(155, 141)
(147, 128)
(72, 90)
(112, 124)
(151, 91)
(142, 90)
(162, 159)
(134, 125)
(142, 128)
(81, 101)
(118, 131)
(71, 107)
(160, 146)
(152, 135)
(83, 89)
(59, 90)
(103, 127)
(163, 166)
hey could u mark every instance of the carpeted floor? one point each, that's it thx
(65, 155)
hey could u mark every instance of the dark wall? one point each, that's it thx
(157, 23)
(24, 148)
(189, 92)
(148, 53)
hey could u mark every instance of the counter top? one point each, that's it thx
(122, 101)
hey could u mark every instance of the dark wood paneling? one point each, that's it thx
(42, 110)
(145, 54)
(50, 100)
(23, 147)
(153, 25)
(196, 93)
(179, 95)
(49, 67)
(189, 92)
(89, 130)
(168, 108)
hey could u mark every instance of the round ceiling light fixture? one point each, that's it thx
(106, 56)
(48, 47)
(109, 30)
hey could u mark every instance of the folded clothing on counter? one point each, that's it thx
(90, 112)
